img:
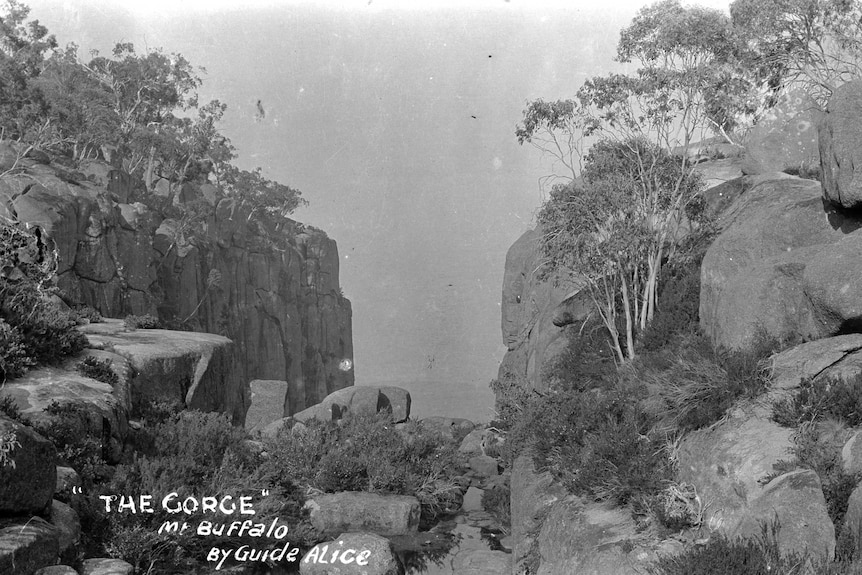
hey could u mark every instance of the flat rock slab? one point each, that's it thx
(27, 545)
(358, 511)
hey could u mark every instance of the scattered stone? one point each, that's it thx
(473, 443)
(367, 512)
(334, 557)
(727, 462)
(484, 465)
(472, 500)
(27, 545)
(106, 567)
(56, 570)
(27, 486)
(67, 478)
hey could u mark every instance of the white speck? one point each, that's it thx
(497, 163)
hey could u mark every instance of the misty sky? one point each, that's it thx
(398, 126)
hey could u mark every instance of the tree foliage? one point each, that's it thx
(817, 43)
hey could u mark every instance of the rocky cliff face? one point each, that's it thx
(273, 291)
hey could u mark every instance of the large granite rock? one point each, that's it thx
(534, 313)
(784, 138)
(784, 263)
(27, 545)
(840, 133)
(361, 511)
(795, 502)
(106, 566)
(333, 558)
(28, 477)
(276, 293)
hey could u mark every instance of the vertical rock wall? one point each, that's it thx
(273, 290)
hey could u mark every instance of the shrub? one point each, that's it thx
(10, 409)
(69, 428)
(98, 369)
(597, 443)
(88, 313)
(367, 453)
(817, 399)
(146, 321)
(758, 556)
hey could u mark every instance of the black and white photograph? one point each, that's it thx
(431, 287)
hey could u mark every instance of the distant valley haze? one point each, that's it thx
(396, 121)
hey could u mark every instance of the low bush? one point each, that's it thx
(824, 398)
(146, 321)
(98, 369)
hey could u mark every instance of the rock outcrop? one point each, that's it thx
(272, 290)
(840, 133)
(785, 263)
(375, 555)
(534, 313)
